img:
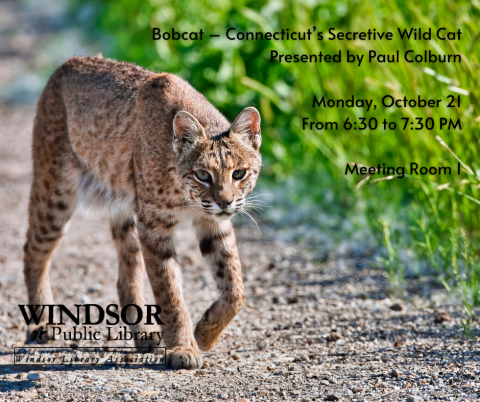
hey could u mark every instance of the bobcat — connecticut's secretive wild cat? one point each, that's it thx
(154, 151)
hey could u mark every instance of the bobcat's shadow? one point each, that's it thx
(22, 385)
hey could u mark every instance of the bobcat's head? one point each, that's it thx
(219, 171)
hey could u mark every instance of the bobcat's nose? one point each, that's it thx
(223, 203)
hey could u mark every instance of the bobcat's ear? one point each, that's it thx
(247, 124)
(186, 128)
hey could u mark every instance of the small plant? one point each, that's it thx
(395, 268)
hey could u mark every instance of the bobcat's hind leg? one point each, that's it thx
(52, 203)
(131, 275)
(53, 196)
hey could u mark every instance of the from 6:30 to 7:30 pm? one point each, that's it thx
(372, 123)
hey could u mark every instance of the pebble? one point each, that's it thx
(220, 396)
(333, 337)
(236, 356)
(144, 393)
(95, 288)
(85, 299)
(395, 373)
(35, 376)
(396, 307)
(261, 345)
(332, 397)
(28, 394)
(442, 316)
(414, 398)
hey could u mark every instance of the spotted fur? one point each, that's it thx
(116, 135)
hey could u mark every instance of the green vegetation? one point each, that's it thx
(435, 217)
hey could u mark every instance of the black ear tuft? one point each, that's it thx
(247, 124)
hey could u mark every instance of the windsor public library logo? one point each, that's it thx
(53, 322)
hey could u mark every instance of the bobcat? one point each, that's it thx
(154, 151)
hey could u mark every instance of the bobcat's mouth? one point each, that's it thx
(220, 215)
(225, 213)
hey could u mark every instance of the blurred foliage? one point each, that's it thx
(236, 74)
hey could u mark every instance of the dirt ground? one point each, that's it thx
(318, 323)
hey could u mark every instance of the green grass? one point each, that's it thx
(436, 221)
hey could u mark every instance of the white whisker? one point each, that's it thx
(242, 215)
(256, 208)
(196, 215)
(254, 221)
(251, 197)
(258, 204)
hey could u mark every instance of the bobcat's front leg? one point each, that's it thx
(165, 279)
(218, 245)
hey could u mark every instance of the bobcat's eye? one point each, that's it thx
(239, 174)
(202, 175)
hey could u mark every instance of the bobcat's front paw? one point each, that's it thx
(39, 335)
(206, 336)
(184, 358)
